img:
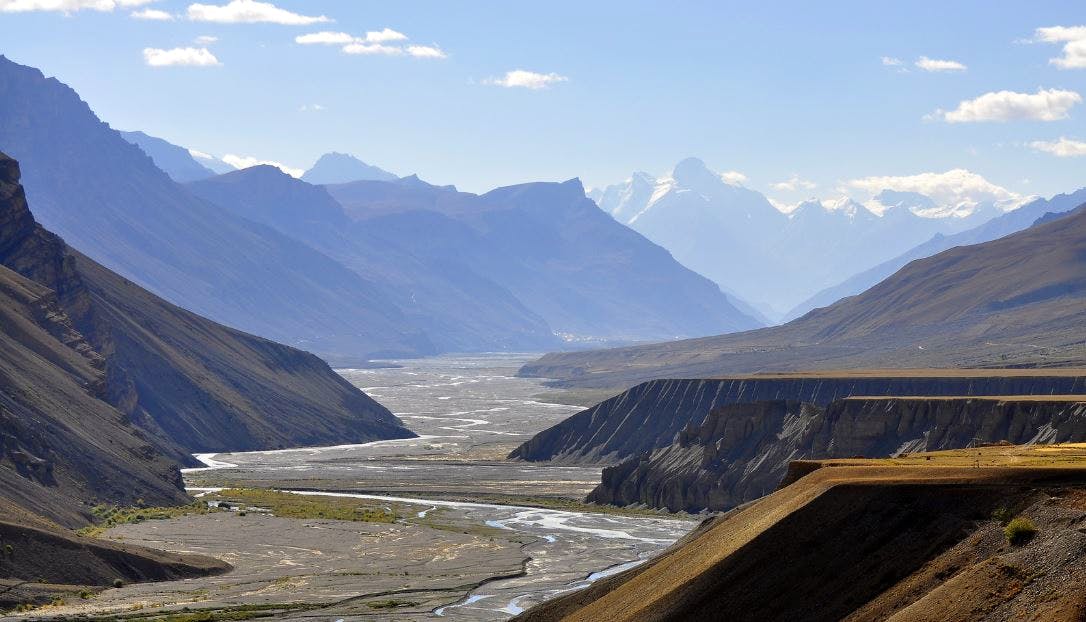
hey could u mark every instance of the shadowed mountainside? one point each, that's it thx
(188, 383)
(175, 161)
(108, 199)
(1013, 302)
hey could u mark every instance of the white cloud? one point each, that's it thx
(240, 162)
(520, 78)
(325, 37)
(1064, 147)
(372, 49)
(1073, 39)
(200, 155)
(425, 51)
(310, 108)
(153, 15)
(957, 190)
(1044, 105)
(384, 36)
(734, 178)
(890, 61)
(187, 57)
(794, 183)
(67, 6)
(205, 40)
(934, 64)
(250, 12)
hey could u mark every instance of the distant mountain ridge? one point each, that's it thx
(535, 264)
(1017, 301)
(106, 197)
(341, 168)
(1005, 224)
(176, 161)
(736, 237)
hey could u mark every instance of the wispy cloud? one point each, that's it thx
(180, 57)
(890, 61)
(954, 190)
(1063, 147)
(324, 37)
(240, 162)
(205, 40)
(153, 15)
(372, 49)
(937, 65)
(522, 78)
(250, 12)
(1044, 105)
(384, 42)
(385, 35)
(68, 6)
(310, 108)
(795, 182)
(1073, 39)
(425, 51)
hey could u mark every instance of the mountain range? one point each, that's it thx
(738, 238)
(1017, 301)
(369, 269)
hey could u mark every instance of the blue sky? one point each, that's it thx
(798, 91)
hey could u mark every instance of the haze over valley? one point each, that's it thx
(329, 311)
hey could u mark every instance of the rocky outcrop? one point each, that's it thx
(649, 415)
(742, 451)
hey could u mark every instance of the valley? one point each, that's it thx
(452, 531)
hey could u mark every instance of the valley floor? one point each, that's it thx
(439, 526)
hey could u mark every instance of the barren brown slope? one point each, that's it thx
(871, 539)
(1016, 301)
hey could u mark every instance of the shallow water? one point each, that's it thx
(469, 412)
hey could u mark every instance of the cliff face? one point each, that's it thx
(742, 451)
(650, 414)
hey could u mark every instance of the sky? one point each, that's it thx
(982, 100)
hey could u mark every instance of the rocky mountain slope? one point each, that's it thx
(919, 538)
(189, 384)
(741, 452)
(1011, 302)
(510, 268)
(1005, 224)
(736, 237)
(650, 415)
(108, 199)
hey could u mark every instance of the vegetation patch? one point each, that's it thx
(1020, 530)
(109, 516)
(288, 505)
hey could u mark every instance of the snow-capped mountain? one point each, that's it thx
(737, 237)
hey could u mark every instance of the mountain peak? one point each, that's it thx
(9, 168)
(692, 172)
(341, 168)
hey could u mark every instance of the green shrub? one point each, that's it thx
(8, 550)
(1020, 530)
(118, 583)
